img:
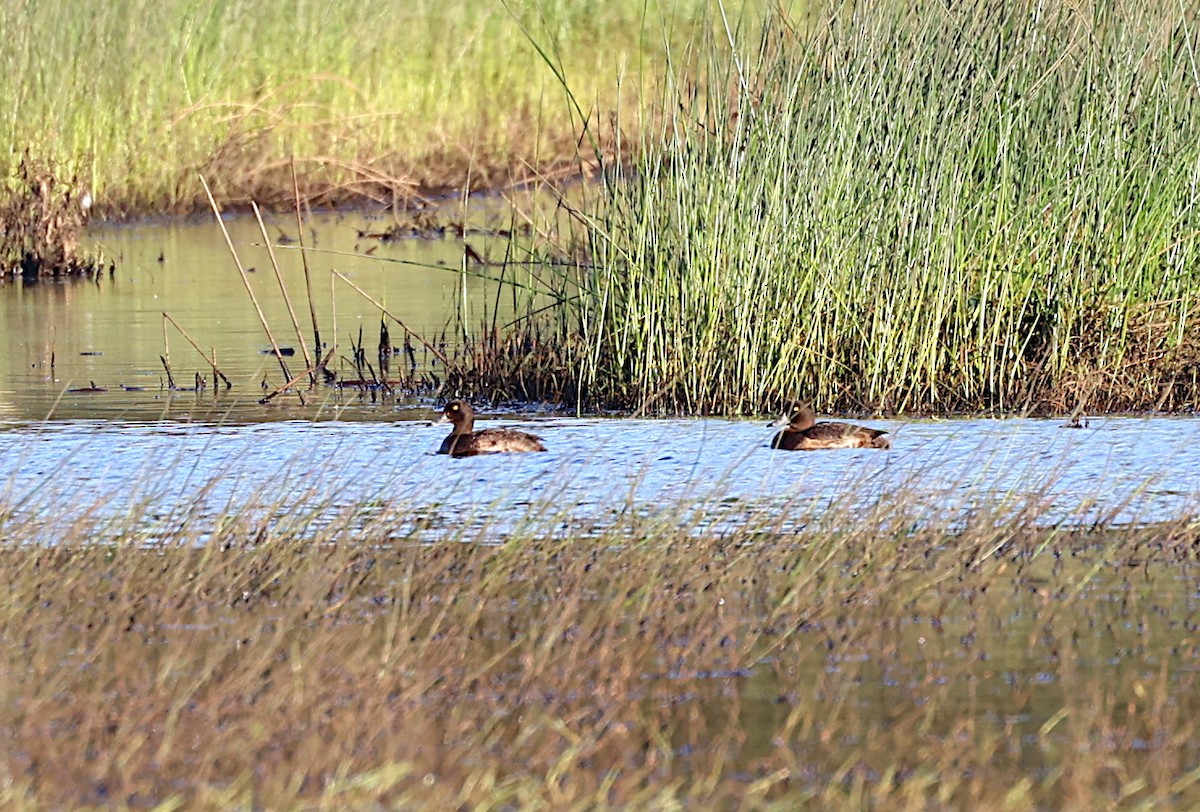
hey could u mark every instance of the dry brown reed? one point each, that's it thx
(327, 660)
(1158, 368)
(42, 215)
(522, 365)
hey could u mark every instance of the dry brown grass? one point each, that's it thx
(327, 662)
(1143, 359)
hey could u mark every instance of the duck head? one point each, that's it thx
(798, 418)
(460, 413)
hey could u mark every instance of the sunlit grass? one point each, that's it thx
(275, 657)
(373, 99)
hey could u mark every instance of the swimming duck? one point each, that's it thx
(802, 432)
(464, 442)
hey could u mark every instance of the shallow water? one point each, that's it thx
(58, 337)
(708, 472)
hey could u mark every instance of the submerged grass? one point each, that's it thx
(326, 659)
(909, 207)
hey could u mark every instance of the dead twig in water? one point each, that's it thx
(324, 367)
(212, 362)
(437, 353)
(265, 399)
(170, 378)
(249, 290)
(287, 300)
(312, 308)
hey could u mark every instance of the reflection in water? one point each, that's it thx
(598, 472)
(61, 336)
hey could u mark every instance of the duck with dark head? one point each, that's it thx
(801, 432)
(464, 441)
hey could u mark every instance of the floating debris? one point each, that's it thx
(90, 389)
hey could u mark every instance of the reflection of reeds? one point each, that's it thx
(278, 657)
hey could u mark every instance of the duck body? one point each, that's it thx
(464, 441)
(802, 432)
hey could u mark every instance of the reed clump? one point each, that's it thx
(909, 207)
(42, 216)
(282, 658)
(523, 366)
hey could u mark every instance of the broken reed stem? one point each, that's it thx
(287, 300)
(437, 353)
(167, 366)
(245, 281)
(212, 362)
(312, 307)
(463, 320)
(328, 356)
(265, 399)
(333, 307)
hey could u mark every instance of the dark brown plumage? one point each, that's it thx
(802, 432)
(465, 442)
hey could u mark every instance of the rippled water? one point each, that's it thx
(1118, 470)
(136, 447)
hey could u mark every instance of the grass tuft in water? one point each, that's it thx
(41, 222)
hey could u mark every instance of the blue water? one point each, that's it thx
(598, 472)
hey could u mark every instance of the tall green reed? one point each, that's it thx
(907, 206)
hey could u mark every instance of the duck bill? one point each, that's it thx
(784, 420)
(445, 418)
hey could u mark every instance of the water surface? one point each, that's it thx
(126, 443)
(1118, 470)
(60, 337)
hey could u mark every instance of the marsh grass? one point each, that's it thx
(329, 658)
(908, 207)
(375, 100)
